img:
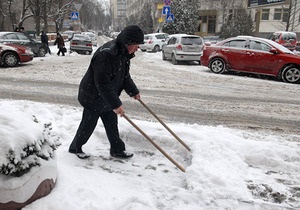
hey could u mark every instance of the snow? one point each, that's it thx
(226, 169)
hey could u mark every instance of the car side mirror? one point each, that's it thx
(273, 50)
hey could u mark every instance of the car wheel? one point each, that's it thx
(156, 48)
(174, 61)
(10, 59)
(164, 56)
(217, 66)
(42, 52)
(291, 74)
(143, 50)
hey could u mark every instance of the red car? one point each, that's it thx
(13, 54)
(252, 55)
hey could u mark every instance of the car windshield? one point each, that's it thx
(191, 40)
(279, 46)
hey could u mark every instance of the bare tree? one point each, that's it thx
(13, 13)
(289, 15)
(59, 11)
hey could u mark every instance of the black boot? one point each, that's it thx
(122, 155)
(79, 153)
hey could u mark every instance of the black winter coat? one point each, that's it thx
(107, 76)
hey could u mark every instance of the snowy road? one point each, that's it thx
(186, 93)
(255, 167)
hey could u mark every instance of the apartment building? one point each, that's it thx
(268, 16)
(118, 14)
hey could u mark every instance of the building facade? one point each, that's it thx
(267, 17)
(118, 13)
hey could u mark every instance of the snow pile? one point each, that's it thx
(226, 169)
(24, 142)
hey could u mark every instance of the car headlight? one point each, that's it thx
(28, 51)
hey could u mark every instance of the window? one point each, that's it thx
(172, 40)
(265, 14)
(191, 40)
(160, 36)
(254, 45)
(211, 24)
(265, 47)
(230, 15)
(277, 14)
(236, 43)
(285, 15)
(11, 36)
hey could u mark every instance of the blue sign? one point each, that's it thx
(166, 10)
(74, 15)
(170, 18)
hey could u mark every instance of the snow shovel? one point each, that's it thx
(176, 137)
(154, 144)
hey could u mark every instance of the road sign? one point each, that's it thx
(167, 2)
(170, 18)
(74, 15)
(166, 10)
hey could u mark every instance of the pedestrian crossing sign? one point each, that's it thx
(74, 15)
(170, 18)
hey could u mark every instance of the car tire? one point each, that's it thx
(217, 66)
(156, 48)
(10, 59)
(174, 61)
(164, 56)
(143, 50)
(291, 74)
(42, 52)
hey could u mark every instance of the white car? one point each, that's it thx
(81, 44)
(93, 37)
(154, 42)
(183, 47)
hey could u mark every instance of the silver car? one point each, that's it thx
(183, 47)
(81, 44)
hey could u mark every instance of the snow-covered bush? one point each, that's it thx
(25, 142)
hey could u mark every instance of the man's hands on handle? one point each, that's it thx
(120, 109)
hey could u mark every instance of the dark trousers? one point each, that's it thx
(87, 126)
(60, 50)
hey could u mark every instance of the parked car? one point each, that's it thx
(183, 47)
(252, 55)
(39, 49)
(93, 37)
(12, 55)
(154, 42)
(81, 44)
(68, 33)
(285, 38)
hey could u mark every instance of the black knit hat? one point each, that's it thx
(131, 35)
